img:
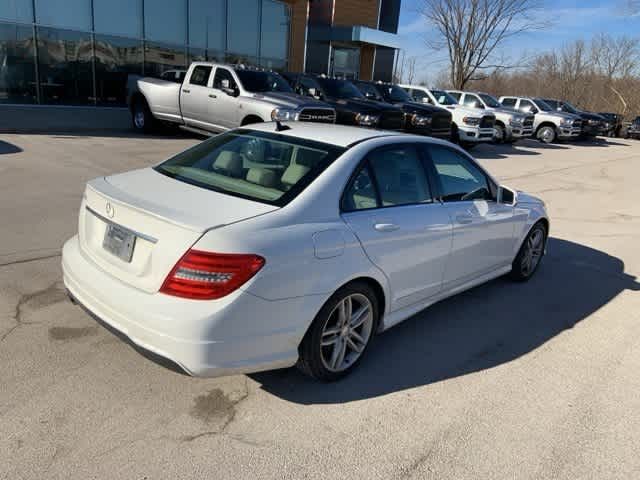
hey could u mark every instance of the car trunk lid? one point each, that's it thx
(137, 225)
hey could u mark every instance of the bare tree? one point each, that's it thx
(411, 70)
(614, 59)
(472, 30)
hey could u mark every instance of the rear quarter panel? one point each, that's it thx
(163, 98)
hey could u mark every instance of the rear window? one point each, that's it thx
(262, 166)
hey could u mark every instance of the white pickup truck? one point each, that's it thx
(469, 126)
(216, 97)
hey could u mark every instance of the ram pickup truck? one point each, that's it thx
(549, 125)
(216, 97)
(614, 123)
(510, 126)
(633, 130)
(352, 107)
(469, 126)
(593, 124)
(419, 118)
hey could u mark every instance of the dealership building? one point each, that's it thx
(83, 52)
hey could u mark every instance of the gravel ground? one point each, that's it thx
(506, 381)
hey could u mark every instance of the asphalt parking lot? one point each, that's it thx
(506, 381)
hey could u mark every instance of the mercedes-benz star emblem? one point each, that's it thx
(110, 210)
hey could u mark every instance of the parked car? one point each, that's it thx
(323, 236)
(549, 125)
(593, 124)
(419, 118)
(469, 126)
(352, 107)
(614, 123)
(510, 126)
(633, 130)
(215, 97)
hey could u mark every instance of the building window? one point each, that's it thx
(159, 58)
(208, 24)
(274, 42)
(118, 17)
(73, 14)
(243, 28)
(166, 21)
(17, 10)
(17, 64)
(117, 62)
(64, 65)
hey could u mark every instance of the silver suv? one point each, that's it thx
(549, 125)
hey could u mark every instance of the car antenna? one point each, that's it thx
(280, 127)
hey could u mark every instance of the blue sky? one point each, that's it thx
(572, 20)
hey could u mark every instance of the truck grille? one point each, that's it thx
(391, 120)
(528, 122)
(441, 122)
(577, 123)
(487, 121)
(317, 115)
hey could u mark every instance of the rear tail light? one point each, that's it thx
(207, 276)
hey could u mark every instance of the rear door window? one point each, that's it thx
(509, 102)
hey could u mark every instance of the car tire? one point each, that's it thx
(530, 254)
(333, 347)
(501, 134)
(141, 117)
(546, 134)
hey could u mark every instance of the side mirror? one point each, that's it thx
(506, 196)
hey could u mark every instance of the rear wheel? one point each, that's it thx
(546, 134)
(528, 259)
(141, 117)
(340, 334)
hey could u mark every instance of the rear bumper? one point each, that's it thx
(240, 333)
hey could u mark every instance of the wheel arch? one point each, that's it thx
(546, 123)
(251, 118)
(135, 98)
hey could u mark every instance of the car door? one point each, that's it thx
(194, 97)
(223, 104)
(483, 230)
(389, 206)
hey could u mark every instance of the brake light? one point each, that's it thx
(207, 276)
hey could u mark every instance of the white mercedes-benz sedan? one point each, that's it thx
(276, 245)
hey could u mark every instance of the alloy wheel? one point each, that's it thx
(138, 118)
(347, 332)
(546, 134)
(533, 252)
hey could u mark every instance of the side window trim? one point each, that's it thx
(434, 172)
(365, 164)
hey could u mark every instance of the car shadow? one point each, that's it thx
(7, 148)
(482, 328)
(600, 142)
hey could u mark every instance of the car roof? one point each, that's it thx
(339, 135)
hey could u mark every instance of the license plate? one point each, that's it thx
(120, 242)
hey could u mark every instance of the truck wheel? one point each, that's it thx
(546, 134)
(141, 116)
(500, 134)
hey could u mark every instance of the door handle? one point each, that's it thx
(464, 218)
(386, 227)
(213, 95)
(184, 90)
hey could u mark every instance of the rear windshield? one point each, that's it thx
(261, 166)
(262, 81)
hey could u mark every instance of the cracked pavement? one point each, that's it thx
(524, 381)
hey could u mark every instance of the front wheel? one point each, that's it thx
(340, 334)
(528, 259)
(500, 135)
(547, 134)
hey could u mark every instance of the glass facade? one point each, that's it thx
(85, 52)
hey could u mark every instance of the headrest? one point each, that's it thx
(308, 158)
(293, 174)
(228, 163)
(262, 176)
